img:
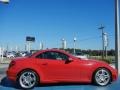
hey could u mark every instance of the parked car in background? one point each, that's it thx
(10, 54)
(24, 53)
(81, 55)
(54, 66)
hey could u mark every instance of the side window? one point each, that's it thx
(62, 56)
(47, 55)
(53, 55)
(40, 56)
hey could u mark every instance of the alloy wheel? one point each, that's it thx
(27, 79)
(102, 77)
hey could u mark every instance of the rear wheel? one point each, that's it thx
(27, 79)
(102, 77)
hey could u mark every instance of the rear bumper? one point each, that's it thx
(11, 74)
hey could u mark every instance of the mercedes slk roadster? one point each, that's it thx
(57, 66)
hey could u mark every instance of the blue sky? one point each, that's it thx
(51, 20)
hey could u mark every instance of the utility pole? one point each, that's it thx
(105, 43)
(117, 47)
(2, 49)
(101, 28)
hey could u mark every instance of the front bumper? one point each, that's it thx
(114, 75)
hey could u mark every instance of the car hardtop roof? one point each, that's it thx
(52, 50)
(40, 51)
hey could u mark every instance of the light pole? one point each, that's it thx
(75, 44)
(101, 28)
(5, 1)
(16, 48)
(117, 47)
(64, 43)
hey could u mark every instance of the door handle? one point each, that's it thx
(45, 64)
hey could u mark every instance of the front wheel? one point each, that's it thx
(27, 79)
(102, 77)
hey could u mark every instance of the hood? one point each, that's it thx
(93, 61)
(96, 61)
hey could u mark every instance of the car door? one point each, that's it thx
(55, 66)
(51, 64)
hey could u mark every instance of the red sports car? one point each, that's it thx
(56, 66)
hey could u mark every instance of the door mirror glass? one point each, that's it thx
(70, 59)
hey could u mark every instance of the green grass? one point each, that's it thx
(108, 59)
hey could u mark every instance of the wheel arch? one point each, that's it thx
(92, 79)
(26, 69)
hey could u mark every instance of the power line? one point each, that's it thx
(94, 37)
(90, 38)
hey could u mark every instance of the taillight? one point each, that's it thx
(12, 63)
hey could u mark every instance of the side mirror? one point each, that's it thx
(70, 59)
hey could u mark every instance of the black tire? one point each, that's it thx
(102, 77)
(23, 80)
